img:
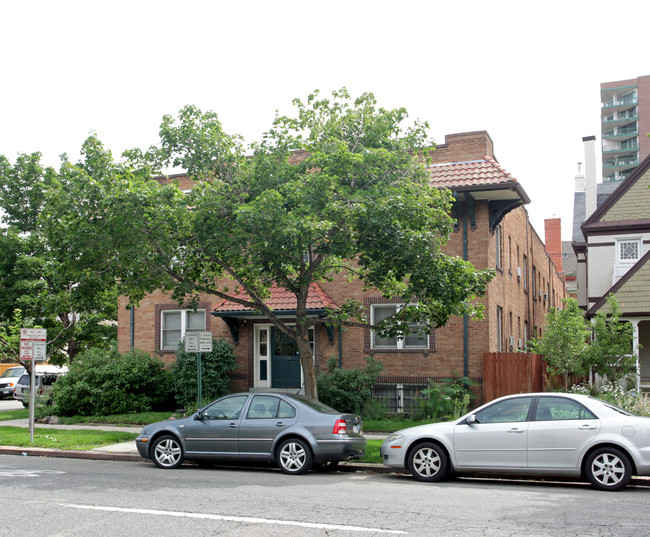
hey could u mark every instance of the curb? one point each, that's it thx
(69, 454)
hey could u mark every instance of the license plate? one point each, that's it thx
(356, 429)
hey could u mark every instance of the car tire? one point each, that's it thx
(428, 462)
(167, 452)
(608, 468)
(294, 456)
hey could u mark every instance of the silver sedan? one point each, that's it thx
(293, 431)
(544, 434)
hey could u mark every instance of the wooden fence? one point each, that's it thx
(505, 373)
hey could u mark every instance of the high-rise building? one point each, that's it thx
(625, 121)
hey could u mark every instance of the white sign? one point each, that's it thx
(26, 350)
(33, 334)
(205, 341)
(39, 349)
(191, 342)
(198, 341)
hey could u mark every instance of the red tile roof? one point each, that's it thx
(282, 300)
(471, 173)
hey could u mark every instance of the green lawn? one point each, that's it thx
(62, 438)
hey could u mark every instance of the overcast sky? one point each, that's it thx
(527, 72)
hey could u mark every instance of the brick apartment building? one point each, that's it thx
(493, 230)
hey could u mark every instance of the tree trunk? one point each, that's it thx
(308, 369)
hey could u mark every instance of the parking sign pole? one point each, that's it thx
(199, 403)
(32, 400)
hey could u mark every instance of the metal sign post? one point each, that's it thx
(33, 348)
(198, 342)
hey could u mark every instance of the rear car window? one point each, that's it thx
(316, 405)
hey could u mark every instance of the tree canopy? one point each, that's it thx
(341, 187)
(39, 284)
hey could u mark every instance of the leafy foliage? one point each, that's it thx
(339, 188)
(38, 272)
(565, 344)
(348, 390)
(216, 372)
(445, 400)
(611, 354)
(106, 382)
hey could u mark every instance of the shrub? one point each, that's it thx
(445, 400)
(630, 400)
(216, 372)
(102, 382)
(348, 390)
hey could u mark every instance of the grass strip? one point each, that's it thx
(62, 438)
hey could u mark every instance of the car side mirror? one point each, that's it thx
(471, 419)
(198, 416)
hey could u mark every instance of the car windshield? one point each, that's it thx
(316, 405)
(13, 372)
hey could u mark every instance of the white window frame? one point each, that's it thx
(628, 261)
(183, 328)
(400, 341)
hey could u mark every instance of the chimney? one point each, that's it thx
(590, 175)
(553, 241)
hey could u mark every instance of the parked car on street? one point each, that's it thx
(293, 431)
(8, 380)
(544, 434)
(44, 376)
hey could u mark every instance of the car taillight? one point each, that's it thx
(340, 427)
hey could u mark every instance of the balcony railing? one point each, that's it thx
(620, 162)
(621, 149)
(620, 102)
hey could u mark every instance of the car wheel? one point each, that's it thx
(294, 456)
(608, 469)
(167, 452)
(428, 462)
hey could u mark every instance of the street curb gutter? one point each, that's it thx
(69, 454)
(128, 457)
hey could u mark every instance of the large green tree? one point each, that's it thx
(339, 187)
(76, 306)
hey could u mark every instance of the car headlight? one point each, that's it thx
(393, 437)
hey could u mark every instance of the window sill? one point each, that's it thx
(421, 350)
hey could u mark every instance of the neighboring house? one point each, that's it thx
(613, 258)
(493, 230)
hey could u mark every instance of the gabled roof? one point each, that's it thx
(631, 291)
(281, 300)
(627, 207)
(483, 175)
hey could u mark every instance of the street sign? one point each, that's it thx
(191, 342)
(26, 350)
(205, 341)
(39, 349)
(33, 334)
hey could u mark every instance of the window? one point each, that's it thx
(510, 410)
(499, 328)
(497, 234)
(226, 409)
(174, 324)
(559, 408)
(417, 338)
(524, 263)
(628, 251)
